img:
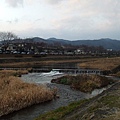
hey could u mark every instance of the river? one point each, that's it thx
(67, 95)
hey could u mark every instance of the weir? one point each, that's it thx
(71, 71)
(67, 71)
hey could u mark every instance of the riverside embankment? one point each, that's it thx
(40, 109)
(67, 95)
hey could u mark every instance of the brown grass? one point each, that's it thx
(13, 72)
(36, 63)
(84, 83)
(102, 63)
(99, 63)
(16, 94)
(46, 61)
(117, 74)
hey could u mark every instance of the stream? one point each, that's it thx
(67, 95)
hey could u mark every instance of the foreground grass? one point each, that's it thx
(102, 107)
(16, 94)
(84, 83)
(61, 112)
(101, 63)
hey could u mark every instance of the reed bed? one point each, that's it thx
(13, 72)
(102, 63)
(16, 94)
(84, 83)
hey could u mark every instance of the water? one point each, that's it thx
(41, 77)
(67, 95)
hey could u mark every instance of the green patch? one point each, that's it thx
(64, 81)
(110, 101)
(61, 112)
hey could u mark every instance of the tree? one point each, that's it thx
(7, 36)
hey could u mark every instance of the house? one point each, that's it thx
(79, 52)
(11, 47)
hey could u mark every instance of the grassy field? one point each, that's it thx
(16, 94)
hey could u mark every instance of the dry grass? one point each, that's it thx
(102, 63)
(84, 83)
(117, 74)
(35, 63)
(51, 60)
(12, 72)
(16, 94)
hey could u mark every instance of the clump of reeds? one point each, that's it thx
(16, 73)
(84, 83)
(16, 94)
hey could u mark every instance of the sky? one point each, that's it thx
(64, 19)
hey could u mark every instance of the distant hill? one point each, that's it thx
(105, 42)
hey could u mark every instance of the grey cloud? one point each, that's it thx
(16, 20)
(9, 22)
(14, 3)
(53, 1)
(12, 21)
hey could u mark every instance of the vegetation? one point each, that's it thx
(61, 112)
(84, 83)
(84, 61)
(16, 94)
(118, 74)
(16, 73)
(105, 106)
(102, 63)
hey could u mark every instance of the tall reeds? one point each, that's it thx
(101, 63)
(16, 94)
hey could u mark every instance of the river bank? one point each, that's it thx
(104, 106)
(64, 91)
(66, 96)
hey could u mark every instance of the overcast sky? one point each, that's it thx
(67, 19)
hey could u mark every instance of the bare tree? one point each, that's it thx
(6, 36)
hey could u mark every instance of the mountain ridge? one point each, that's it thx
(105, 42)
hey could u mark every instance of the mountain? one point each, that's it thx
(105, 42)
(55, 40)
(38, 39)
